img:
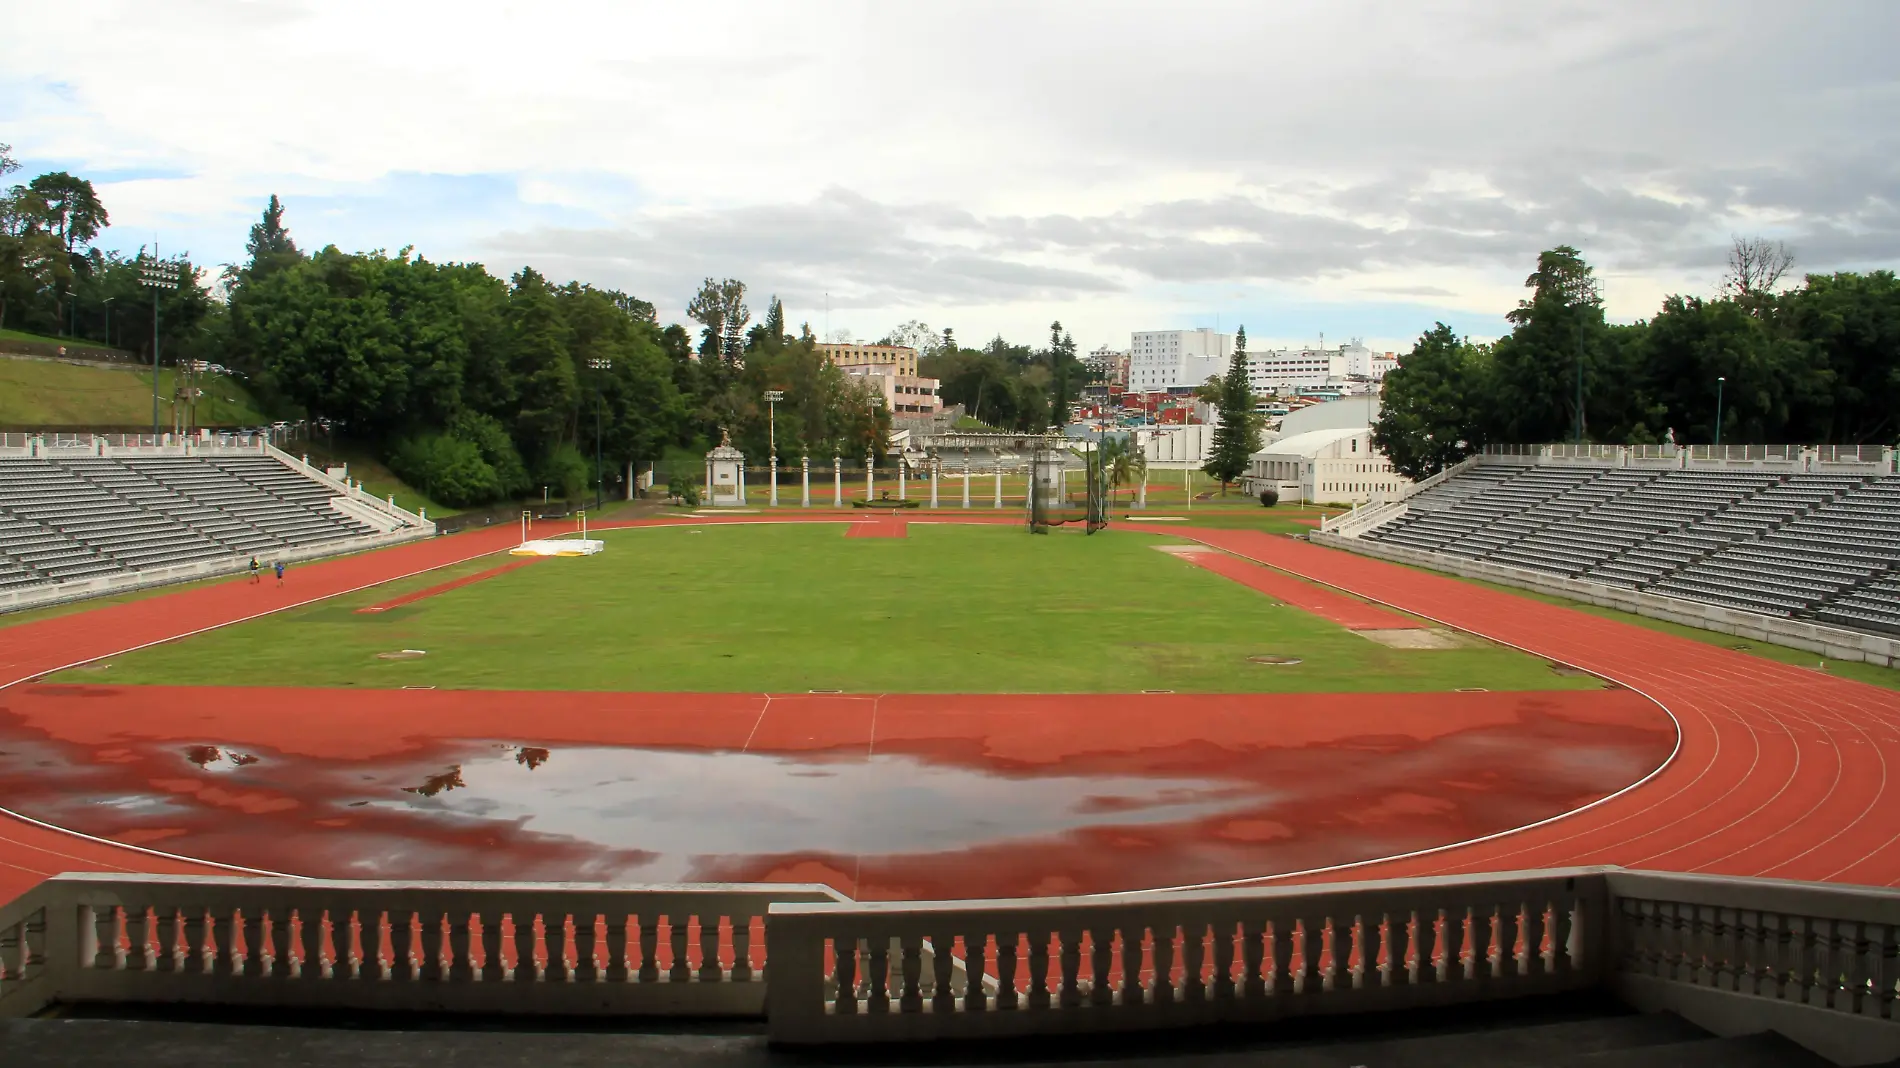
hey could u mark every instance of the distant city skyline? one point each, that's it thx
(993, 167)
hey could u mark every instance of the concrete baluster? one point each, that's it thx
(845, 956)
(682, 970)
(1162, 988)
(975, 967)
(943, 963)
(1101, 967)
(837, 482)
(1007, 946)
(586, 942)
(910, 966)
(804, 475)
(458, 939)
(709, 969)
(1070, 961)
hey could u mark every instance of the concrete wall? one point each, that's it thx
(1832, 643)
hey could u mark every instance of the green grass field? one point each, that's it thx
(797, 607)
(49, 393)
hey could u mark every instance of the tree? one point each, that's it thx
(1238, 434)
(1122, 462)
(7, 163)
(270, 246)
(72, 209)
(1431, 404)
(1061, 372)
(720, 308)
(1755, 267)
(1545, 366)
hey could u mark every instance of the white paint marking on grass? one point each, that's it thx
(1157, 519)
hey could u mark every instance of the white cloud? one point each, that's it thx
(1351, 167)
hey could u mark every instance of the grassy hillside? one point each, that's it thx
(48, 393)
(377, 479)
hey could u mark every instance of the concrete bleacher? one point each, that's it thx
(1820, 545)
(74, 517)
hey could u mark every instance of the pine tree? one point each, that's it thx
(1238, 433)
(270, 245)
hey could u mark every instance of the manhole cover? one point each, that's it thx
(1273, 658)
(1157, 691)
(1471, 689)
(1741, 647)
(402, 654)
(824, 691)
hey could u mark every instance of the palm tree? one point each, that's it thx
(1122, 462)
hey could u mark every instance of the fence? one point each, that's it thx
(1880, 458)
(1817, 962)
(528, 948)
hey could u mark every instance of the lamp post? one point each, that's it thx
(772, 397)
(1718, 408)
(603, 364)
(158, 277)
(108, 306)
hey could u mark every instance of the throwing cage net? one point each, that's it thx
(1066, 488)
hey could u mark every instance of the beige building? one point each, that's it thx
(903, 357)
(904, 394)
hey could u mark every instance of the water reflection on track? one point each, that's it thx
(913, 796)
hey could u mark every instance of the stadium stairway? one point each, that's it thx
(1821, 547)
(1573, 1032)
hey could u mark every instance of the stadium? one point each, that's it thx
(752, 535)
(801, 724)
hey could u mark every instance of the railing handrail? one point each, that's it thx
(1811, 960)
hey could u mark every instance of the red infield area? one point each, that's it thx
(1779, 771)
(881, 526)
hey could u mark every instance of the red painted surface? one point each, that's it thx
(444, 587)
(882, 526)
(1348, 612)
(1783, 771)
(881, 796)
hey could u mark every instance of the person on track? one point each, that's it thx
(255, 577)
(280, 573)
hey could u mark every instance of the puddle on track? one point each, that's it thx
(894, 797)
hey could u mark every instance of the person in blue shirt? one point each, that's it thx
(280, 572)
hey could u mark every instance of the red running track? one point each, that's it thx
(444, 587)
(1782, 771)
(1349, 612)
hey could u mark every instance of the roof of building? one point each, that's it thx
(1311, 442)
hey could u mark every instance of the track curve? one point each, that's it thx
(1782, 771)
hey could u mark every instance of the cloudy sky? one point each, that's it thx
(1352, 169)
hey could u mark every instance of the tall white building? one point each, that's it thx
(1166, 359)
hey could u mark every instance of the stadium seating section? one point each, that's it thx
(1819, 547)
(64, 519)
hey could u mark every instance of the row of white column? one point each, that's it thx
(870, 482)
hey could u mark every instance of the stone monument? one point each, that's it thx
(725, 474)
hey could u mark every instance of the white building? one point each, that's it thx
(1346, 413)
(1160, 360)
(1326, 467)
(1349, 369)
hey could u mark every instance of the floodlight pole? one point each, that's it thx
(157, 277)
(599, 363)
(772, 397)
(1718, 408)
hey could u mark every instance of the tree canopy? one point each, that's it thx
(1814, 364)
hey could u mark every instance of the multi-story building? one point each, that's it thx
(1112, 366)
(1160, 360)
(904, 394)
(903, 357)
(1339, 465)
(1350, 368)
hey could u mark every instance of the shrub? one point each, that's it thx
(1269, 498)
(566, 471)
(497, 448)
(680, 485)
(446, 468)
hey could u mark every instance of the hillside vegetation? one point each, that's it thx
(47, 393)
